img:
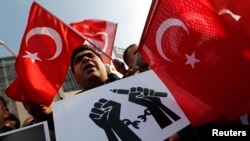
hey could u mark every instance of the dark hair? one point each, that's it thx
(125, 53)
(3, 101)
(80, 49)
(14, 118)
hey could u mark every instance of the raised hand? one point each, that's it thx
(151, 100)
(106, 114)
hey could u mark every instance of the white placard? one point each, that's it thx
(138, 107)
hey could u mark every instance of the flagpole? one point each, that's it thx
(136, 59)
(98, 48)
(3, 44)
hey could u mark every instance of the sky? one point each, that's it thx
(129, 14)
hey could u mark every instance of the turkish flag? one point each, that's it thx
(44, 57)
(201, 56)
(101, 33)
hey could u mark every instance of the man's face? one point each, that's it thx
(132, 51)
(88, 67)
(4, 113)
(132, 54)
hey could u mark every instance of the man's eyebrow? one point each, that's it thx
(84, 54)
(80, 54)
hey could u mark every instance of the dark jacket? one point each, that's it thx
(5, 129)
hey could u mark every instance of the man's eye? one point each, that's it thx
(90, 55)
(78, 59)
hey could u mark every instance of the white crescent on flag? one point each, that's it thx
(49, 32)
(160, 31)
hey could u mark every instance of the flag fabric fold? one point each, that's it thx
(44, 57)
(101, 33)
(201, 56)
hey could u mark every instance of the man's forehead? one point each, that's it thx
(83, 52)
(132, 49)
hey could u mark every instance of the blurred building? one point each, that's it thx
(7, 75)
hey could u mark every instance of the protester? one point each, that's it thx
(88, 68)
(90, 72)
(41, 113)
(129, 57)
(133, 60)
(12, 121)
(4, 113)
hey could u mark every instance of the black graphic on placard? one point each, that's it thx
(144, 116)
(135, 124)
(106, 114)
(150, 99)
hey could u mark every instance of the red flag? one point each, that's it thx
(44, 57)
(202, 58)
(101, 33)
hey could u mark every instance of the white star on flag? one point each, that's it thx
(32, 56)
(191, 59)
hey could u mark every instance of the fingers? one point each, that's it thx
(118, 63)
(147, 92)
(97, 111)
(119, 66)
(132, 71)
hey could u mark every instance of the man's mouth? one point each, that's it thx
(88, 66)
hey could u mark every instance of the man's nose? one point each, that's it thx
(85, 58)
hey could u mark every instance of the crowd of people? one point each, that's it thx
(90, 72)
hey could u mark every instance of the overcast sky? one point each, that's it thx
(129, 14)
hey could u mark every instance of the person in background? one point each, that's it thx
(4, 113)
(41, 113)
(12, 121)
(131, 55)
